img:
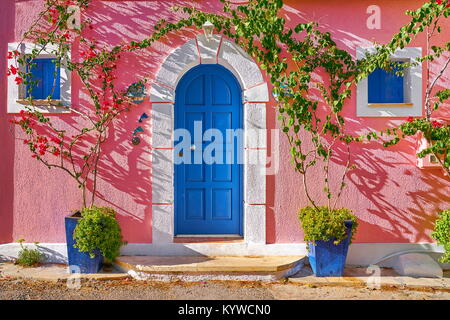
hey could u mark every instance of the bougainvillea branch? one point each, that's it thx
(311, 77)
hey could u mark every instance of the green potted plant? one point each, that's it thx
(328, 234)
(96, 234)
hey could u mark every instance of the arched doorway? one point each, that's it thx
(208, 154)
(218, 52)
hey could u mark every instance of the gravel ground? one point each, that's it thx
(13, 289)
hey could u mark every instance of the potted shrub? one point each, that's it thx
(328, 234)
(93, 237)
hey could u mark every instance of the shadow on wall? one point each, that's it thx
(124, 175)
(396, 201)
(125, 172)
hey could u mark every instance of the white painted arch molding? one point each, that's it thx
(255, 95)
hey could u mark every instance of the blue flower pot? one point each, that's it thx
(326, 258)
(80, 261)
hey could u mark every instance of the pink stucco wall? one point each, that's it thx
(395, 200)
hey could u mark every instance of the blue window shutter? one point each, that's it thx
(385, 87)
(44, 73)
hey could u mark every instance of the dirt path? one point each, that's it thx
(129, 289)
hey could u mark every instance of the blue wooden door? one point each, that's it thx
(208, 191)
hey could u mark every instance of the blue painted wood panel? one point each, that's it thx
(385, 87)
(208, 194)
(44, 73)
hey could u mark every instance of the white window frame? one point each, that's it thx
(17, 93)
(412, 86)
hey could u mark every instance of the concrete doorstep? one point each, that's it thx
(201, 268)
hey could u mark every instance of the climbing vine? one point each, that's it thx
(427, 19)
(311, 77)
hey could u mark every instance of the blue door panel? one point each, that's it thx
(195, 85)
(195, 204)
(222, 92)
(221, 200)
(208, 195)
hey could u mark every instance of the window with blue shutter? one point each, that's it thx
(43, 71)
(385, 87)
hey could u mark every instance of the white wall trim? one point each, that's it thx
(255, 95)
(359, 254)
(16, 92)
(412, 87)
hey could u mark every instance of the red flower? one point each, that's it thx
(26, 141)
(13, 69)
(18, 80)
(12, 54)
(105, 106)
(440, 2)
(33, 155)
(410, 119)
(8, 73)
(56, 152)
(436, 124)
(42, 140)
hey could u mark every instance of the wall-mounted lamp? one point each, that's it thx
(208, 29)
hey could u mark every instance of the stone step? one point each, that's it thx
(197, 268)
